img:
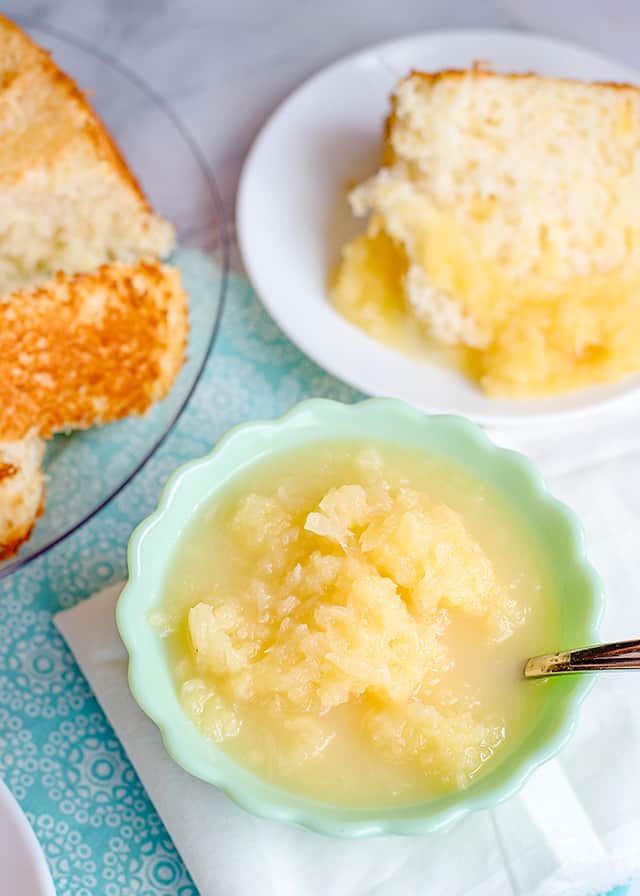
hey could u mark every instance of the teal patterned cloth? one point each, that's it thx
(58, 753)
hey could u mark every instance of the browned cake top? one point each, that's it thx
(89, 348)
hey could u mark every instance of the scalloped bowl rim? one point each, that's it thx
(253, 793)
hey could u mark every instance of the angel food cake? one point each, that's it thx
(350, 623)
(503, 230)
(92, 325)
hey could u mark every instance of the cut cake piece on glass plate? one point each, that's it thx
(68, 202)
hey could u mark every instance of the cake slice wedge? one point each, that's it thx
(90, 348)
(68, 201)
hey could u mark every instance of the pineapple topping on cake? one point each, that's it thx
(504, 226)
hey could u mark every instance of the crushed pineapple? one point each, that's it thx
(336, 617)
(527, 339)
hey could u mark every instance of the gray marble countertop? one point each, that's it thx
(225, 64)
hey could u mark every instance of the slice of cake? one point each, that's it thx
(67, 198)
(89, 348)
(505, 220)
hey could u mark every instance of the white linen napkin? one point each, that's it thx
(574, 830)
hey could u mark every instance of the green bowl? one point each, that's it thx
(153, 544)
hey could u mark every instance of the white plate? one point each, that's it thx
(293, 216)
(23, 868)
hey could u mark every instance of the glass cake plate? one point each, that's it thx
(85, 470)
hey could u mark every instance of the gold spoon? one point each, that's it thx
(600, 658)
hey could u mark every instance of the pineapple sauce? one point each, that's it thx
(350, 622)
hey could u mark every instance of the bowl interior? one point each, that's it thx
(383, 421)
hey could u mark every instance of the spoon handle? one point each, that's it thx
(601, 658)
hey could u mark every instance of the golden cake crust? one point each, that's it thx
(89, 348)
